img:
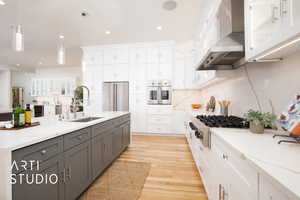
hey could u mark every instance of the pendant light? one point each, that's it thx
(18, 35)
(61, 51)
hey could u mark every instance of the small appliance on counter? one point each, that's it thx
(159, 92)
(38, 110)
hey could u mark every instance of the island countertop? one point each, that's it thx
(11, 140)
(49, 128)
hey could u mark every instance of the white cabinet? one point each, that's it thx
(116, 72)
(115, 55)
(160, 63)
(269, 24)
(270, 192)
(48, 87)
(263, 25)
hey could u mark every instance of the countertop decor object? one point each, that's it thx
(211, 105)
(22, 127)
(259, 120)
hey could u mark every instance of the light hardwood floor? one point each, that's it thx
(173, 174)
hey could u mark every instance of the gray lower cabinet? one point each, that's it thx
(77, 170)
(126, 135)
(108, 152)
(98, 165)
(117, 145)
(23, 190)
(76, 159)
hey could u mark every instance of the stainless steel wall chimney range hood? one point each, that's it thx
(229, 52)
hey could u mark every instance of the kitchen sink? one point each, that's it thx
(87, 119)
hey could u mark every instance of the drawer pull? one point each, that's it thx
(43, 152)
(225, 157)
(79, 137)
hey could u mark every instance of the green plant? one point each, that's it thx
(257, 117)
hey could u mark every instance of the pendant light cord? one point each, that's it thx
(252, 88)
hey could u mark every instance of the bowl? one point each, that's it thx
(196, 106)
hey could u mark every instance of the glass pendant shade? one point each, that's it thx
(61, 55)
(18, 38)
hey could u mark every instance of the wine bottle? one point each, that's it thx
(28, 115)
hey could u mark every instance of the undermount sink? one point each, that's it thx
(87, 119)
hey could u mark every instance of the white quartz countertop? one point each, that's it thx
(280, 162)
(12, 140)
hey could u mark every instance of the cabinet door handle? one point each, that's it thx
(274, 14)
(220, 192)
(69, 176)
(79, 137)
(43, 152)
(63, 174)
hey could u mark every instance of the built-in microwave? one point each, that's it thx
(159, 93)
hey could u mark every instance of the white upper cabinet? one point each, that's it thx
(269, 25)
(263, 25)
(140, 55)
(116, 55)
(116, 72)
(48, 87)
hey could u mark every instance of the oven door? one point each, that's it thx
(165, 95)
(153, 95)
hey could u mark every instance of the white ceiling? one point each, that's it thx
(128, 20)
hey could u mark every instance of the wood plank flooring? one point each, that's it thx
(173, 174)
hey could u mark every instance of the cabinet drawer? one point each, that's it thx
(159, 128)
(102, 128)
(155, 110)
(38, 152)
(76, 138)
(159, 119)
(122, 120)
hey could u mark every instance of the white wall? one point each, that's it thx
(278, 82)
(5, 90)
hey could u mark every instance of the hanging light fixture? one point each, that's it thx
(18, 34)
(61, 52)
(18, 38)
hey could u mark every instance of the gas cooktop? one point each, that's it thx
(223, 121)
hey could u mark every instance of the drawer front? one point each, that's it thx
(159, 128)
(160, 111)
(38, 152)
(122, 120)
(159, 119)
(76, 138)
(102, 128)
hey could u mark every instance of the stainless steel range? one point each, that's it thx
(202, 124)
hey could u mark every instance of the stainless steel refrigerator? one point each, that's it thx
(116, 96)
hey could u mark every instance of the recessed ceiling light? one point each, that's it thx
(159, 28)
(61, 37)
(170, 5)
(18, 65)
(2, 3)
(40, 63)
(107, 32)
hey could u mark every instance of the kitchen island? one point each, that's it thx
(77, 152)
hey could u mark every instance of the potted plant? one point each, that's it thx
(259, 120)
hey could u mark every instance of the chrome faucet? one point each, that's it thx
(77, 100)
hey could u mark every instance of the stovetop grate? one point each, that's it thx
(223, 121)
